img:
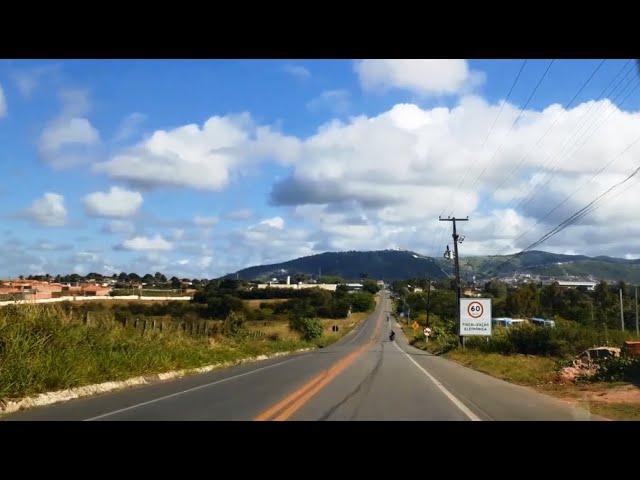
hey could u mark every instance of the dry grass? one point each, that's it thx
(280, 328)
(255, 304)
(521, 369)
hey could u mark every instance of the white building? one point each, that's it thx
(589, 285)
(297, 286)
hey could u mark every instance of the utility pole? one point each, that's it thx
(429, 302)
(621, 311)
(637, 330)
(457, 264)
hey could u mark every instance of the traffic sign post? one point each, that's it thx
(427, 334)
(475, 317)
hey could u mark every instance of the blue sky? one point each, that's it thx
(200, 167)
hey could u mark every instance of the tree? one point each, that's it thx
(551, 298)
(222, 306)
(175, 282)
(523, 301)
(496, 288)
(370, 286)
(229, 285)
(623, 286)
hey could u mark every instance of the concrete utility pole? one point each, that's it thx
(457, 264)
(637, 331)
(621, 311)
(429, 302)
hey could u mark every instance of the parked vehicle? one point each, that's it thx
(542, 322)
(597, 353)
(506, 321)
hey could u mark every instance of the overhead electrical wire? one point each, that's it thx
(568, 197)
(576, 216)
(495, 120)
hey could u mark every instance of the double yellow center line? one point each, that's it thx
(292, 402)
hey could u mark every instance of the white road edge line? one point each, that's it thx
(185, 391)
(472, 416)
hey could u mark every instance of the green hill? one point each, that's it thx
(401, 264)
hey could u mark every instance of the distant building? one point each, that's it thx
(588, 285)
(297, 286)
(471, 292)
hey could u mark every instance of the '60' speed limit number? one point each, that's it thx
(475, 310)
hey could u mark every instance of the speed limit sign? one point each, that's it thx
(475, 316)
(475, 309)
(427, 331)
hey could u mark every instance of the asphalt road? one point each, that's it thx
(364, 376)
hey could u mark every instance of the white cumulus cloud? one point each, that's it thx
(275, 222)
(48, 210)
(420, 76)
(69, 139)
(117, 202)
(156, 243)
(200, 157)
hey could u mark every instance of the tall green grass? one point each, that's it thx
(42, 349)
(565, 340)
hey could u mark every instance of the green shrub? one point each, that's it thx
(361, 301)
(233, 325)
(617, 369)
(310, 328)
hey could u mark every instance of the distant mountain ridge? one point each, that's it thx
(391, 265)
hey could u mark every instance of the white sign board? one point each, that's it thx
(427, 331)
(475, 316)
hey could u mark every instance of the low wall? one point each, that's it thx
(83, 299)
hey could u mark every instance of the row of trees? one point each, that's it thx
(226, 295)
(157, 280)
(590, 308)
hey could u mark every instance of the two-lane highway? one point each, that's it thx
(364, 376)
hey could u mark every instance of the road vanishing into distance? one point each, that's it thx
(364, 376)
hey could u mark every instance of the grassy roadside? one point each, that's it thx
(41, 350)
(616, 401)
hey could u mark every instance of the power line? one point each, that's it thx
(568, 197)
(576, 135)
(495, 120)
(576, 216)
(514, 123)
(567, 144)
(553, 124)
